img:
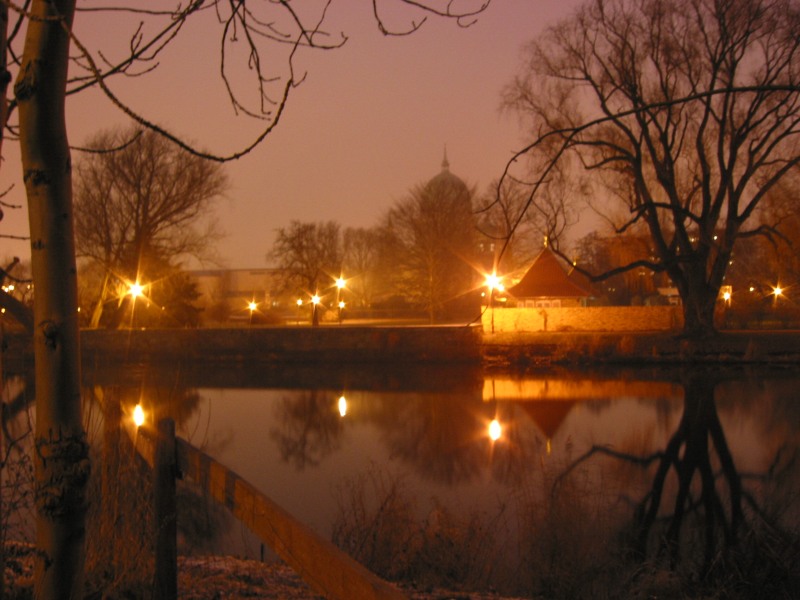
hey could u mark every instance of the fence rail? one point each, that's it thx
(324, 567)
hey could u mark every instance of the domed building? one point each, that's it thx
(433, 234)
(448, 185)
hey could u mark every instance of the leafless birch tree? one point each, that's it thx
(55, 63)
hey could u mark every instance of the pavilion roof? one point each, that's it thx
(547, 278)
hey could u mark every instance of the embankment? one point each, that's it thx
(522, 350)
(396, 346)
(327, 344)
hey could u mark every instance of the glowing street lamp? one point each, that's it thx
(135, 289)
(341, 308)
(314, 315)
(726, 293)
(493, 282)
(777, 292)
(138, 415)
(251, 306)
(495, 430)
(340, 283)
(342, 406)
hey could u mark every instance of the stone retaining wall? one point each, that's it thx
(330, 344)
(596, 318)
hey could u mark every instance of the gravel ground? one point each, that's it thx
(207, 578)
(219, 578)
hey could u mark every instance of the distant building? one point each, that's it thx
(225, 294)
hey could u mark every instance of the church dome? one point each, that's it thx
(447, 184)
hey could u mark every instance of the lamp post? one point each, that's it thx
(495, 430)
(493, 282)
(251, 306)
(138, 415)
(314, 314)
(135, 290)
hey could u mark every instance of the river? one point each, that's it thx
(635, 480)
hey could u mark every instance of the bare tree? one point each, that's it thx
(513, 233)
(429, 246)
(309, 256)
(601, 254)
(43, 81)
(139, 206)
(683, 114)
(360, 262)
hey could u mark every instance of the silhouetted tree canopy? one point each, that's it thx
(139, 210)
(680, 115)
(429, 247)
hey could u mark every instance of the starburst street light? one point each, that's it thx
(135, 289)
(315, 299)
(493, 282)
(495, 430)
(138, 415)
(777, 293)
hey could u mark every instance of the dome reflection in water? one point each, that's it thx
(561, 483)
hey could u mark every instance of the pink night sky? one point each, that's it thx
(369, 122)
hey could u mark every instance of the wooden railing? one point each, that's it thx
(324, 567)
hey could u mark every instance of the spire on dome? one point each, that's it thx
(445, 162)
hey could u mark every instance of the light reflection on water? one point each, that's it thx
(586, 469)
(583, 459)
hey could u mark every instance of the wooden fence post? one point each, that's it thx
(164, 473)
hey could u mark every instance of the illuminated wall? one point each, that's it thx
(601, 318)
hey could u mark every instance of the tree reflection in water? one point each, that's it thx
(440, 435)
(308, 427)
(696, 512)
(683, 486)
(687, 513)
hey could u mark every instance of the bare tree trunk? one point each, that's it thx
(699, 302)
(98, 309)
(61, 452)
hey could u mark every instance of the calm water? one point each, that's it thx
(592, 473)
